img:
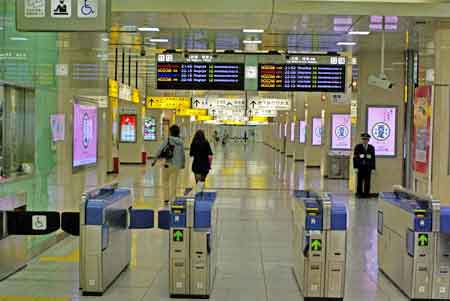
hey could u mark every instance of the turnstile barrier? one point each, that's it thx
(319, 244)
(191, 221)
(414, 244)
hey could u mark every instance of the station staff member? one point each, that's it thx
(364, 163)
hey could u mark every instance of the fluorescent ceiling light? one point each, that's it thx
(359, 33)
(151, 29)
(18, 39)
(159, 40)
(346, 43)
(250, 30)
(252, 41)
(105, 39)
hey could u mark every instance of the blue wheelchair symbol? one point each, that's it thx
(86, 9)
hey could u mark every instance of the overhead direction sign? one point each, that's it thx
(192, 112)
(168, 102)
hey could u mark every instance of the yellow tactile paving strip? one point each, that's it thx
(74, 256)
(32, 298)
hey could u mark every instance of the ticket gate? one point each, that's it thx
(191, 221)
(104, 222)
(414, 244)
(320, 245)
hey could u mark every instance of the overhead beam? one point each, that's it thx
(411, 8)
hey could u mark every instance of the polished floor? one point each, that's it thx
(254, 185)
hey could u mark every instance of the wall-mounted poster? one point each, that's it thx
(302, 132)
(150, 129)
(341, 138)
(57, 123)
(292, 131)
(285, 129)
(317, 131)
(422, 128)
(84, 135)
(128, 131)
(382, 126)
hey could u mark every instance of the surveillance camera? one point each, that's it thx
(380, 81)
(143, 53)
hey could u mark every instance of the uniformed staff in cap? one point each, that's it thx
(364, 163)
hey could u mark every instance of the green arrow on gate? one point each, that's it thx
(316, 245)
(178, 235)
(423, 240)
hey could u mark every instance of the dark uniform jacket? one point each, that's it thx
(364, 159)
(200, 152)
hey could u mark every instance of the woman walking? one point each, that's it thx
(202, 154)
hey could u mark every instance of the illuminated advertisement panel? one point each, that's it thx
(341, 138)
(292, 131)
(317, 130)
(382, 126)
(84, 135)
(128, 128)
(302, 132)
(150, 129)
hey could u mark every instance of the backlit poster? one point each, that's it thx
(341, 132)
(381, 125)
(84, 135)
(57, 123)
(285, 129)
(317, 130)
(302, 132)
(128, 128)
(150, 129)
(422, 128)
(292, 131)
(280, 133)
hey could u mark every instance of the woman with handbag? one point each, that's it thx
(202, 155)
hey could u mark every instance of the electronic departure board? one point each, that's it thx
(301, 77)
(200, 76)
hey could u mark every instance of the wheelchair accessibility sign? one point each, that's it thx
(87, 8)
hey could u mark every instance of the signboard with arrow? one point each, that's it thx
(316, 245)
(422, 240)
(178, 235)
(168, 102)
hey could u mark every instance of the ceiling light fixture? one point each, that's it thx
(346, 43)
(105, 39)
(359, 33)
(252, 41)
(149, 29)
(18, 39)
(252, 30)
(159, 40)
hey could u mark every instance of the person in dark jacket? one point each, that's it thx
(202, 155)
(364, 164)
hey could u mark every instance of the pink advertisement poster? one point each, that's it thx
(341, 138)
(84, 135)
(317, 131)
(381, 125)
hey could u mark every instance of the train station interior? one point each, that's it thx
(232, 151)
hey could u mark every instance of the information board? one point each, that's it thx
(128, 124)
(302, 132)
(84, 135)
(341, 138)
(316, 134)
(150, 129)
(301, 77)
(381, 125)
(200, 76)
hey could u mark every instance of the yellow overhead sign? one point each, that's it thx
(113, 88)
(232, 122)
(168, 102)
(192, 112)
(205, 118)
(259, 119)
(135, 97)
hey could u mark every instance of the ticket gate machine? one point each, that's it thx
(414, 244)
(320, 245)
(191, 222)
(104, 222)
